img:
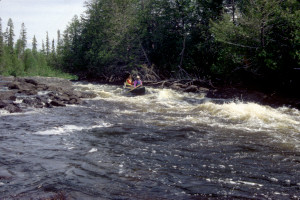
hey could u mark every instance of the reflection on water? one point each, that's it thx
(162, 145)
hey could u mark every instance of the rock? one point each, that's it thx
(8, 95)
(31, 81)
(15, 85)
(12, 108)
(57, 103)
(37, 103)
(48, 105)
(28, 92)
(3, 104)
(43, 99)
(75, 100)
(63, 97)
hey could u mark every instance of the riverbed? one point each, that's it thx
(161, 145)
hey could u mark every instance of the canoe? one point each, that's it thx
(136, 91)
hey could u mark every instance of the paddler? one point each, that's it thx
(138, 82)
(129, 82)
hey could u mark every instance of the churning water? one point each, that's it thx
(162, 145)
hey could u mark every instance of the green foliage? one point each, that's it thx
(265, 37)
(18, 61)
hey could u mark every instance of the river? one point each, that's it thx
(162, 145)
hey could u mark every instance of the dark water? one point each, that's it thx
(164, 145)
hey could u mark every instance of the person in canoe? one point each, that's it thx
(138, 82)
(129, 82)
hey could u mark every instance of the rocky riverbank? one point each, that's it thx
(19, 94)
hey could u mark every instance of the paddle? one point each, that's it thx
(133, 89)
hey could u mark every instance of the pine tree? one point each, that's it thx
(34, 45)
(43, 51)
(53, 47)
(59, 43)
(5, 36)
(10, 35)
(47, 44)
(1, 39)
(23, 38)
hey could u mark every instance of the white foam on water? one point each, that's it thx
(282, 124)
(233, 182)
(4, 112)
(93, 150)
(66, 129)
(60, 130)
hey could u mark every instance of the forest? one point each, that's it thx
(249, 42)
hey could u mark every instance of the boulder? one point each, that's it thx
(28, 92)
(75, 100)
(15, 85)
(36, 102)
(8, 95)
(13, 108)
(3, 104)
(57, 103)
(31, 81)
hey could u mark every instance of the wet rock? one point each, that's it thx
(36, 102)
(12, 108)
(75, 100)
(8, 95)
(63, 97)
(44, 99)
(28, 92)
(31, 81)
(3, 104)
(57, 103)
(48, 105)
(15, 85)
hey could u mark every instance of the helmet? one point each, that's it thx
(138, 77)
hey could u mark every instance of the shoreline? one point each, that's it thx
(48, 92)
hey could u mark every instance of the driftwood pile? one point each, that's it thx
(182, 85)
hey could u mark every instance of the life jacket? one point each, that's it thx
(137, 83)
(128, 82)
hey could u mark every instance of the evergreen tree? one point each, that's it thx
(10, 35)
(23, 38)
(1, 39)
(43, 50)
(34, 44)
(47, 50)
(53, 47)
(59, 43)
(5, 36)
(18, 48)
(30, 63)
